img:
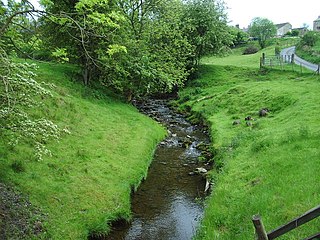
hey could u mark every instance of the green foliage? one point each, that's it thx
(293, 33)
(60, 54)
(19, 94)
(310, 39)
(251, 49)
(309, 47)
(155, 57)
(205, 27)
(139, 48)
(262, 29)
(239, 37)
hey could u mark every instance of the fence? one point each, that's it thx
(306, 217)
(276, 60)
(282, 62)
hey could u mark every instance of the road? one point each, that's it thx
(297, 60)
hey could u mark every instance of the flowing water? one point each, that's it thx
(168, 204)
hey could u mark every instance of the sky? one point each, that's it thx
(296, 12)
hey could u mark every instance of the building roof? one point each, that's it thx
(280, 25)
(317, 20)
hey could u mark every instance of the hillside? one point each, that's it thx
(309, 47)
(87, 181)
(267, 165)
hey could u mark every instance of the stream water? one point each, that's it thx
(168, 204)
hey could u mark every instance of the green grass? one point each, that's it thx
(88, 180)
(311, 54)
(270, 168)
(236, 57)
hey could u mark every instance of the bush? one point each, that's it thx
(250, 50)
(310, 39)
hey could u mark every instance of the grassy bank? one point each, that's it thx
(311, 54)
(270, 167)
(87, 181)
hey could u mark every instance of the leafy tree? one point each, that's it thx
(205, 27)
(262, 29)
(310, 39)
(238, 36)
(295, 33)
(135, 47)
(19, 92)
(156, 50)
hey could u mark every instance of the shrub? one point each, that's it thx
(310, 38)
(250, 50)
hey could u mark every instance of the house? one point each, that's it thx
(283, 28)
(316, 25)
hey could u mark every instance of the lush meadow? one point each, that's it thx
(268, 165)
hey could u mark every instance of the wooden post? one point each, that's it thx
(260, 230)
(263, 58)
(292, 58)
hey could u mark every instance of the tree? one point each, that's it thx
(310, 39)
(238, 36)
(262, 29)
(205, 27)
(156, 50)
(84, 29)
(19, 92)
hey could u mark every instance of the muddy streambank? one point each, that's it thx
(169, 203)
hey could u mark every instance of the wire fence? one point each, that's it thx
(284, 62)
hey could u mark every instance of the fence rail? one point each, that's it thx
(306, 217)
(281, 61)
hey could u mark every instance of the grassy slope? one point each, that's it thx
(271, 168)
(88, 180)
(312, 55)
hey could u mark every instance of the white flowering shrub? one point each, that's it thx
(19, 94)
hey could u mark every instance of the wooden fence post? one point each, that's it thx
(260, 230)
(292, 58)
(263, 58)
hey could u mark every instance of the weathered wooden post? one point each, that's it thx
(260, 230)
(263, 59)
